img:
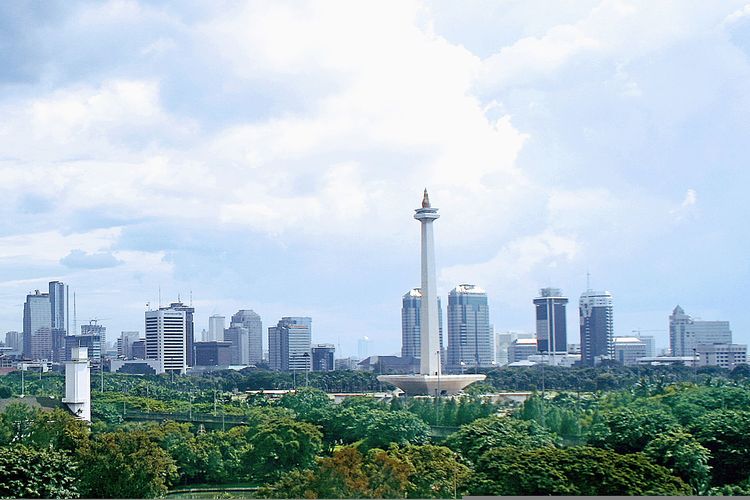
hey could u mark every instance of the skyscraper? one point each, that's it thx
(289, 344)
(685, 333)
(411, 306)
(58, 298)
(37, 326)
(469, 335)
(14, 340)
(189, 329)
(597, 327)
(239, 351)
(166, 333)
(251, 320)
(125, 344)
(551, 329)
(215, 328)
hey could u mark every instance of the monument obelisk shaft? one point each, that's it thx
(429, 336)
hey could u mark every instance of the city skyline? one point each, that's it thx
(192, 147)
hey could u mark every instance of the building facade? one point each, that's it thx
(628, 350)
(166, 334)
(686, 334)
(322, 357)
(189, 329)
(723, 355)
(251, 320)
(37, 326)
(597, 327)
(213, 353)
(14, 340)
(469, 334)
(551, 321)
(521, 349)
(289, 344)
(239, 338)
(216, 328)
(411, 305)
(125, 344)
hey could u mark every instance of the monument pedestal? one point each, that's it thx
(431, 385)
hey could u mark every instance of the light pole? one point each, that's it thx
(306, 355)
(463, 367)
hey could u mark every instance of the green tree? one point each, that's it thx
(58, 429)
(679, 452)
(29, 473)
(725, 434)
(571, 471)
(16, 423)
(278, 446)
(395, 427)
(628, 430)
(124, 465)
(437, 471)
(484, 434)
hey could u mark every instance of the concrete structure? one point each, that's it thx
(251, 320)
(430, 379)
(289, 344)
(322, 357)
(469, 334)
(685, 333)
(239, 338)
(135, 366)
(411, 325)
(166, 333)
(214, 353)
(629, 349)
(551, 328)
(78, 384)
(14, 340)
(723, 355)
(559, 359)
(597, 327)
(215, 328)
(189, 328)
(346, 363)
(139, 349)
(92, 343)
(37, 326)
(668, 360)
(521, 349)
(390, 364)
(503, 341)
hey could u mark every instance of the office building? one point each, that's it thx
(239, 340)
(125, 344)
(521, 349)
(14, 340)
(189, 328)
(37, 327)
(58, 298)
(289, 344)
(138, 349)
(92, 342)
(251, 320)
(551, 328)
(214, 353)
(597, 327)
(363, 347)
(628, 350)
(503, 341)
(723, 355)
(322, 357)
(411, 305)
(215, 328)
(166, 338)
(349, 363)
(469, 335)
(686, 334)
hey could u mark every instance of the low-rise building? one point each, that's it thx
(629, 349)
(723, 355)
(521, 349)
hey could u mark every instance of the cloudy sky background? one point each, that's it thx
(269, 156)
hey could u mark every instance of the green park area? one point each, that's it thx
(609, 430)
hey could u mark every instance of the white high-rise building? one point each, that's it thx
(251, 320)
(215, 328)
(686, 334)
(240, 350)
(166, 331)
(290, 344)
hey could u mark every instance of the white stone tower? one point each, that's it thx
(429, 336)
(78, 383)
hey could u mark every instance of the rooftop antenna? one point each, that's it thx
(588, 280)
(159, 296)
(75, 320)
(178, 298)
(191, 298)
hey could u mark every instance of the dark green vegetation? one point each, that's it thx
(604, 431)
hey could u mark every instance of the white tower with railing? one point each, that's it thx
(78, 383)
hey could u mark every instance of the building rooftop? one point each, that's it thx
(627, 340)
(466, 288)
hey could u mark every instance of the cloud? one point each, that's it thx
(687, 207)
(82, 260)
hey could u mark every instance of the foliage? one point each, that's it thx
(30, 473)
(628, 430)
(725, 434)
(572, 471)
(395, 427)
(476, 438)
(437, 471)
(124, 465)
(679, 452)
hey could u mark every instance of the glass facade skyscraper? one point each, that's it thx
(597, 327)
(289, 344)
(37, 326)
(411, 304)
(551, 329)
(470, 342)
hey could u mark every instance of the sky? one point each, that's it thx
(269, 156)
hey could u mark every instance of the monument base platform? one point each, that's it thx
(431, 385)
